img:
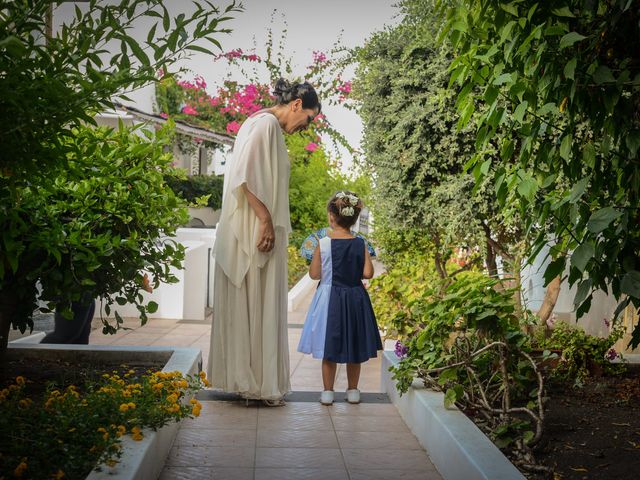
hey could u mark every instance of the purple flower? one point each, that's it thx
(607, 323)
(611, 354)
(401, 349)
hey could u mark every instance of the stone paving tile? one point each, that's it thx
(394, 474)
(206, 473)
(386, 458)
(295, 422)
(176, 340)
(296, 438)
(192, 437)
(246, 421)
(369, 424)
(306, 458)
(397, 440)
(364, 409)
(300, 474)
(211, 457)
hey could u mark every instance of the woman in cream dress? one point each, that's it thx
(249, 351)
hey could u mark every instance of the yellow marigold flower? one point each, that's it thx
(136, 429)
(202, 374)
(13, 388)
(20, 380)
(196, 410)
(121, 430)
(183, 384)
(206, 382)
(131, 372)
(59, 475)
(173, 398)
(131, 405)
(20, 469)
(124, 407)
(137, 437)
(193, 401)
(126, 393)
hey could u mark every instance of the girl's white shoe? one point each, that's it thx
(326, 397)
(353, 396)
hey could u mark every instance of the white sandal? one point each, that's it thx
(326, 397)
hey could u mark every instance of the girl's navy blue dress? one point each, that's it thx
(340, 325)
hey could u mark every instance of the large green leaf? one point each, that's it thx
(581, 256)
(602, 218)
(570, 39)
(631, 283)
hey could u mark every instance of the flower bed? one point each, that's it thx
(63, 427)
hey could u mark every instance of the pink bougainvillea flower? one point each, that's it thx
(319, 57)
(164, 115)
(345, 88)
(233, 127)
(214, 101)
(253, 58)
(311, 147)
(189, 110)
(200, 83)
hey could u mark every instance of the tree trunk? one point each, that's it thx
(517, 280)
(550, 299)
(490, 261)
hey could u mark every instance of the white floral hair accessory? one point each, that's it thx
(346, 211)
(353, 199)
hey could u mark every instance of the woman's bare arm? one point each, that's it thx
(267, 233)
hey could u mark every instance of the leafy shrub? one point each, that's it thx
(581, 354)
(471, 348)
(394, 292)
(92, 228)
(296, 264)
(194, 187)
(78, 429)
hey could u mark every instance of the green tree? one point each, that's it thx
(562, 81)
(412, 145)
(51, 86)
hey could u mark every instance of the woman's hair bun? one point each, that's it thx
(282, 90)
(286, 92)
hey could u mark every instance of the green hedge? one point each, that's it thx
(196, 186)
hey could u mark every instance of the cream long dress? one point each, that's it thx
(249, 342)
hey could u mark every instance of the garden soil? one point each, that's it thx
(593, 431)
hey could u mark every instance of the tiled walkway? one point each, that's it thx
(303, 440)
(299, 441)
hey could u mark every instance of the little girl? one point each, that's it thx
(340, 326)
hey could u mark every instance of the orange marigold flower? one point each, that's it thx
(21, 468)
(124, 407)
(131, 405)
(20, 380)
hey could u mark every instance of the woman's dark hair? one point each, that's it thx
(345, 206)
(286, 92)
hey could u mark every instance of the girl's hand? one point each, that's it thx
(267, 235)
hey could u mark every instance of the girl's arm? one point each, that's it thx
(315, 269)
(267, 233)
(368, 264)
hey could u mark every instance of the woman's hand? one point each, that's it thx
(267, 235)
